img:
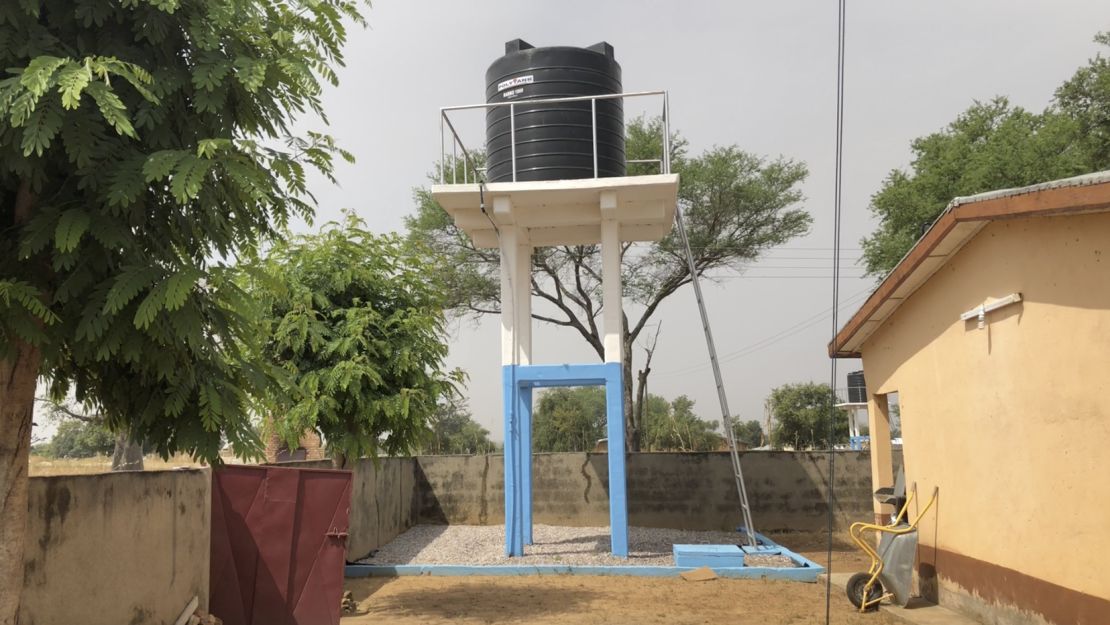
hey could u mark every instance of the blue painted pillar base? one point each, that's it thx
(518, 382)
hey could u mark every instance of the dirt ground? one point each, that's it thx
(567, 600)
(592, 600)
(846, 556)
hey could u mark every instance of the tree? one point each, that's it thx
(127, 454)
(454, 431)
(356, 325)
(895, 425)
(736, 204)
(569, 419)
(141, 142)
(992, 145)
(81, 439)
(802, 413)
(573, 419)
(1085, 97)
(674, 427)
(748, 433)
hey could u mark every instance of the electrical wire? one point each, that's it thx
(767, 341)
(838, 188)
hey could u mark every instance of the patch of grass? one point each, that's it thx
(40, 465)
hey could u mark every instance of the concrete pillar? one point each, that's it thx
(522, 308)
(502, 210)
(882, 462)
(618, 496)
(514, 516)
(516, 350)
(522, 281)
(613, 324)
(524, 411)
(612, 319)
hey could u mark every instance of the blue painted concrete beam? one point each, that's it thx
(518, 382)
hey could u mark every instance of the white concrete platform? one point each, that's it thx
(565, 212)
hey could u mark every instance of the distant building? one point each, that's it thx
(994, 331)
(310, 447)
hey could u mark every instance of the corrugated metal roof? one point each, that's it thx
(1098, 177)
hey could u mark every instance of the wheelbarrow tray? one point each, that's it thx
(898, 552)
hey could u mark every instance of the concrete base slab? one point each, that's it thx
(802, 569)
(918, 612)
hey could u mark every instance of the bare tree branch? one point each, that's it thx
(572, 319)
(558, 322)
(591, 312)
(64, 410)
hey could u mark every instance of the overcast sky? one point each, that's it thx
(759, 75)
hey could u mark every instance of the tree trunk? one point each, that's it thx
(641, 391)
(128, 455)
(18, 376)
(641, 403)
(631, 426)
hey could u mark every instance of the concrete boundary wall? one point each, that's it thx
(381, 504)
(116, 548)
(134, 547)
(787, 490)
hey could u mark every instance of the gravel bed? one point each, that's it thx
(485, 544)
(777, 561)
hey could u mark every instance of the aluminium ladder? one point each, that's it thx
(726, 416)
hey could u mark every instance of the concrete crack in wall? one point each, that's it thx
(483, 510)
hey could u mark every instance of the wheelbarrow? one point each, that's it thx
(891, 573)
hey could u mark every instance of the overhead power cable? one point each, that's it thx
(779, 336)
(837, 192)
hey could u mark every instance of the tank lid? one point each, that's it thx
(602, 47)
(516, 45)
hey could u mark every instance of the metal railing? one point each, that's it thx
(472, 173)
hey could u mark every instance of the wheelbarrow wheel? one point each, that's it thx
(856, 585)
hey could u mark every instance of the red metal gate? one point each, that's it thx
(278, 544)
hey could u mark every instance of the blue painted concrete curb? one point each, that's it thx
(806, 571)
(799, 574)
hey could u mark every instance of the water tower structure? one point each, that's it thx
(554, 175)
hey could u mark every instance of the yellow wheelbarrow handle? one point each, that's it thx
(856, 532)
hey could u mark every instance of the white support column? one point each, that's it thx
(611, 277)
(502, 210)
(522, 281)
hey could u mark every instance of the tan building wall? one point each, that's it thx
(1011, 422)
(116, 548)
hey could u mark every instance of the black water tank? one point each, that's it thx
(554, 141)
(857, 388)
